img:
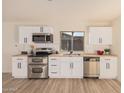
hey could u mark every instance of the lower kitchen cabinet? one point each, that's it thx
(54, 67)
(108, 67)
(66, 67)
(19, 66)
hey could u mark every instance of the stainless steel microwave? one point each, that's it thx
(42, 38)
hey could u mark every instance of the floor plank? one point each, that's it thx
(11, 85)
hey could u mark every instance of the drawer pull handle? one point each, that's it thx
(53, 65)
(107, 59)
(54, 72)
(53, 59)
(19, 59)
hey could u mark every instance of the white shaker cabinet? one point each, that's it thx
(66, 67)
(47, 29)
(54, 67)
(19, 66)
(100, 35)
(25, 33)
(72, 67)
(77, 69)
(108, 67)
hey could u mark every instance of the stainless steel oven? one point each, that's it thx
(38, 67)
(42, 38)
(37, 60)
(38, 71)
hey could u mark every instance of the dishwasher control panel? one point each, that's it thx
(87, 59)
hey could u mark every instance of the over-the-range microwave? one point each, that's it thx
(42, 38)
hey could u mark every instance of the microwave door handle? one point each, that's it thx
(45, 38)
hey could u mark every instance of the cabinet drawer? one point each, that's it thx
(19, 58)
(54, 64)
(54, 69)
(54, 73)
(108, 59)
(54, 59)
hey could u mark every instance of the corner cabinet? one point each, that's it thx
(108, 67)
(66, 67)
(100, 35)
(19, 66)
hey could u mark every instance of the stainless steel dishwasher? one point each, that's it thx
(91, 66)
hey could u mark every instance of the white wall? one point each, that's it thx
(10, 36)
(116, 47)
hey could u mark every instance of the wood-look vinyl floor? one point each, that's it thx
(11, 85)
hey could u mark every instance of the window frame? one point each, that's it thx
(71, 41)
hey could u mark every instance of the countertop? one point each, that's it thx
(23, 55)
(81, 55)
(73, 55)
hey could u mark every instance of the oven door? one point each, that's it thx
(38, 60)
(37, 71)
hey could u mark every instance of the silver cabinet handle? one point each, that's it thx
(99, 40)
(19, 59)
(108, 66)
(53, 59)
(41, 29)
(25, 40)
(107, 59)
(53, 65)
(20, 65)
(72, 65)
(54, 72)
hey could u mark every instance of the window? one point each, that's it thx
(72, 41)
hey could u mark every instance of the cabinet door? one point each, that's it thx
(100, 35)
(77, 69)
(19, 67)
(47, 29)
(36, 29)
(23, 69)
(66, 71)
(25, 36)
(94, 36)
(15, 68)
(108, 68)
(106, 35)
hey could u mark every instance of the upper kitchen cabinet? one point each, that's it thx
(25, 34)
(100, 35)
(47, 29)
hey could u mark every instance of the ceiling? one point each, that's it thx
(35, 10)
